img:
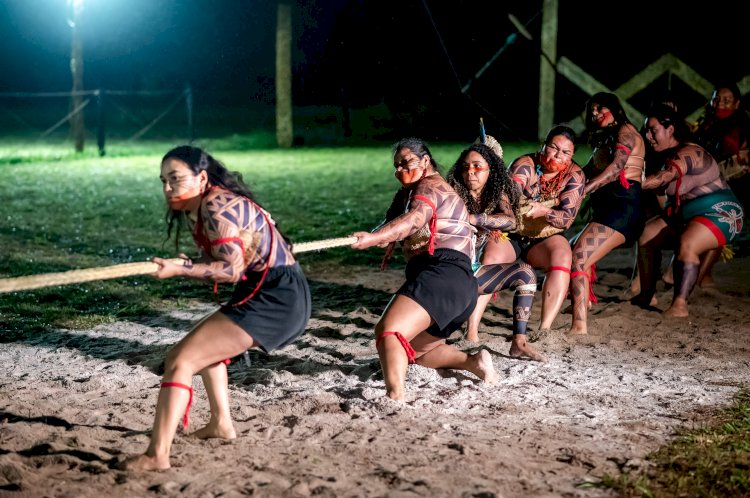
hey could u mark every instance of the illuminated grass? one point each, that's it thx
(713, 461)
(72, 211)
(64, 211)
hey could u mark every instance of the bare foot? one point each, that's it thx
(679, 308)
(707, 282)
(145, 462)
(395, 394)
(215, 430)
(520, 347)
(640, 301)
(536, 335)
(578, 328)
(472, 335)
(481, 366)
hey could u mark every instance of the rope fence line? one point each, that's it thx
(30, 282)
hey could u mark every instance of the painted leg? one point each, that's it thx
(522, 302)
(215, 379)
(685, 278)
(579, 292)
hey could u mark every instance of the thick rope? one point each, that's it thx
(79, 276)
(129, 269)
(323, 244)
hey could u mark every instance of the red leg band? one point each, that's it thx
(410, 353)
(185, 420)
(559, 268)
(592, 279)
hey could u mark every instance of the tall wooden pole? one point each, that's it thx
(284, 129)
(547, 70)
(77, 125)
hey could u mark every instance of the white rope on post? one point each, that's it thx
(30, 282)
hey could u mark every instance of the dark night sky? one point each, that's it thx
(370, 51)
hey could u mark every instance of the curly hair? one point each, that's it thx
(498, 182)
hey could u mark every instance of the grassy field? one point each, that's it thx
(63, 211)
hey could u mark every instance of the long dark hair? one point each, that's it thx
(498, 182)
(218, 175)
(597, 136)
(420, 148)
(666, 115)
(565, 131)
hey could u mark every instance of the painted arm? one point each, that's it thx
(401, 227)
(522, 172)
(627, 138)
(664, 177)
(503, 219)
(227, 262)
(569, 200)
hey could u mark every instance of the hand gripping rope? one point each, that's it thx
(130, 269)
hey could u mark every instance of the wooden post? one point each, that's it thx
(547, 71)
(284, 128)
(77, 126)
(189, 109)
(101, 127)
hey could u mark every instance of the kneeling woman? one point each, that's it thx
(702, 212)
(440, 289)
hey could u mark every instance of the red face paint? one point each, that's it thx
(723, 113)
(182, 202)
(555, 158)
(552, 164)
(603, 117)
(409, 176)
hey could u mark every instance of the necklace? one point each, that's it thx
(548, 189)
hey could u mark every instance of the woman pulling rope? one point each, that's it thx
(269, 308)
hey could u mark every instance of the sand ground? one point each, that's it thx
(312, 418)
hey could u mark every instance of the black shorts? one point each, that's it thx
(444, 285)
(278, 313)
(620, 209)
